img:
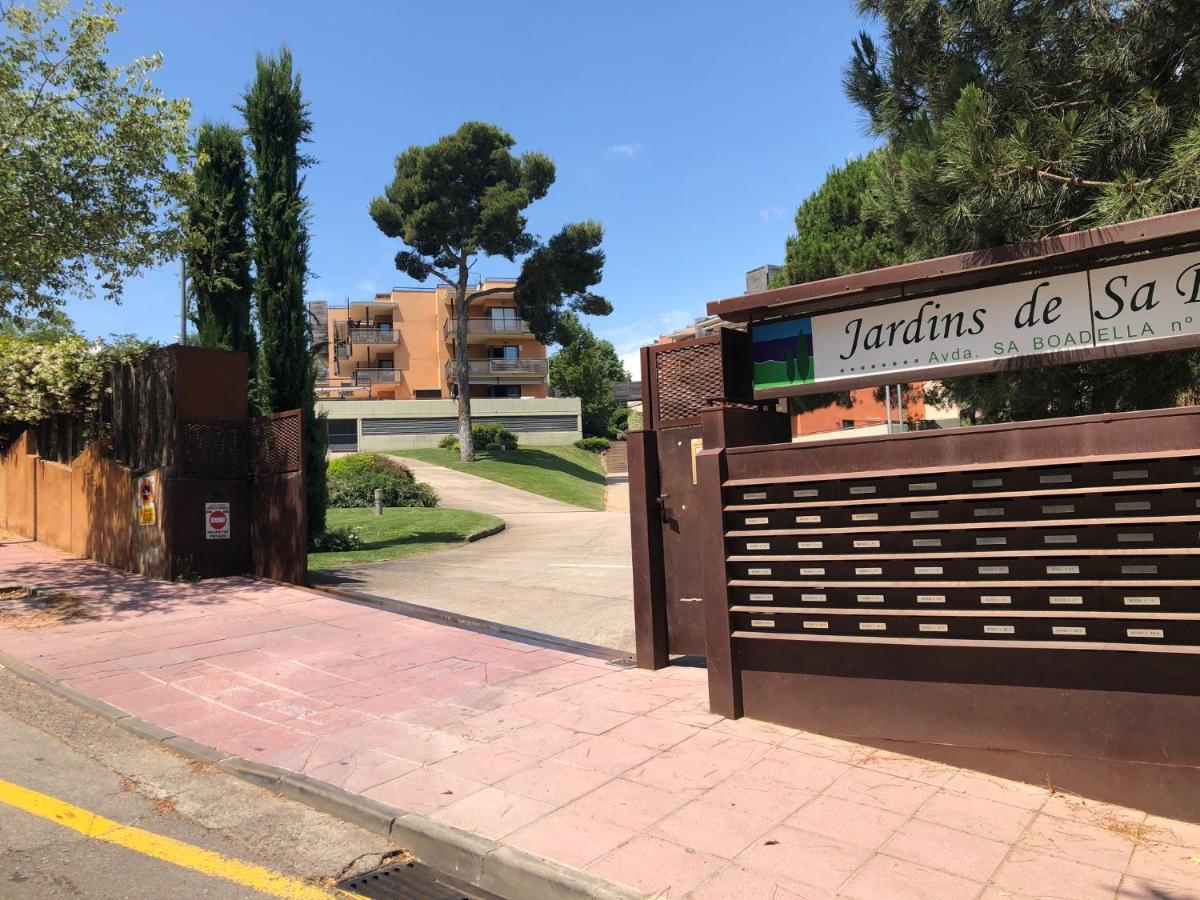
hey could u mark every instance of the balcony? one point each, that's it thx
(374, 376)
(507, 369)
(479, 328)
(363, 335)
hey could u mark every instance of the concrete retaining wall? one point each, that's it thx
(405, 424)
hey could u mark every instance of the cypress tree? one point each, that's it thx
(277, 122)
(218, 247)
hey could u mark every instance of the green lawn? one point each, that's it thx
(562, 473)
(400, 532)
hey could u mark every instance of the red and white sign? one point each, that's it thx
(216, 521)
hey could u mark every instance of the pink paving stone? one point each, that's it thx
(424, 790)
(976, 815)
(738, 883)
(946, 849)
(657, 866)
(608, 754)
(654, 733)
(582, 694)
(797, 770)
(542, 739)
(881, 790)
(1169, 831)
(188, 709)
(1029, 873)
(537, 709)
(266, 741)
(1167, 862)
(149, 698)
(363, 770)
(765, 798)
(486, 763)
(489, 725)
(621, 802)
(852, 823)
(905, 767)
(753, 729)
(106, 686)
(492, 812)
(632, 703)
(218, 728)
(570, 838)
(1092, 845)
(554, 782)
(434, 715)
(707, 742)
(485, 699)
(715, 828)
(687, 775)
(686, 711)
(898, 879)
(214, 684)
(1014, 793)
(814, 859)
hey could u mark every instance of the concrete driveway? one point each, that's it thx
(556, 568)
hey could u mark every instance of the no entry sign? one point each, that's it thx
(216, 521)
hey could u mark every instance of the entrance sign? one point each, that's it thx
(146, 513)
(216, 521)
(1116, 310)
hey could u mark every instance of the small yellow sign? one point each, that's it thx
(146, 515)
(145, 500)
(697, 446)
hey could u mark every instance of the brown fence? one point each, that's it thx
(1023, 598)
(220, 497)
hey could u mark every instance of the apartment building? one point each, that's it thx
(399, 346)
(385, 379)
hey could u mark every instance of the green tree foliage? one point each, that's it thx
(464, 197)
(835, 237)
(277, 123)
(49, 369)
(218, 242)
(1009, 122)
(586, 367)
(89, 183)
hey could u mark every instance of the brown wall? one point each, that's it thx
(17, 507)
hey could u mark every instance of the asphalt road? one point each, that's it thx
(555, 568)
(50, 746)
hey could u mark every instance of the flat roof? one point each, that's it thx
(996, 264)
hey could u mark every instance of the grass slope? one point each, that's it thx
(562, 473)
(400, 532)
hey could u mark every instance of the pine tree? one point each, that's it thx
(218, 242)
(277, 122)
(1015, 121)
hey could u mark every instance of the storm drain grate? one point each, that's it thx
(412, 881)
(625, 662)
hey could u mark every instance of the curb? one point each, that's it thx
(484, 863)
(486, 533)
(469, 623)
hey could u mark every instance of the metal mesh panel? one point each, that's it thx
(276, 443)
(213, 450)
(687, 377)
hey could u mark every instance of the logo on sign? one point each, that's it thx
(216, 521)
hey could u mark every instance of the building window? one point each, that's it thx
(427, 394)
(847, 423)
(507, 351)
(512, 391)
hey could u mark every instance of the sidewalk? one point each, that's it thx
(622, 773)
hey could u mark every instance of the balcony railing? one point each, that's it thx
(488, 368)
(372, 335)
(374, 376)
(485, 325)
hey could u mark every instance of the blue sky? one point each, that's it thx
(690, 130)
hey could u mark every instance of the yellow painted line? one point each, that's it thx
(186, 856)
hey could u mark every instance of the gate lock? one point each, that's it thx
(662, 508)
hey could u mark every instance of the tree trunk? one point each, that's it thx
(462, 371)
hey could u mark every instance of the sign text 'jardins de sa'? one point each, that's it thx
(1096, 311)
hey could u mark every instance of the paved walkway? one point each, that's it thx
(556, 568)
(621, 772)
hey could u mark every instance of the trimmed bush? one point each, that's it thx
(336, 540)
(593, 444)
(486, 437)
(352, 481)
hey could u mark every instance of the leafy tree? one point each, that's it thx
(277, 122)
(465, 196)
(586, 367)
(218, 258)
(88, 187)
(1014, 121)
(834, 237)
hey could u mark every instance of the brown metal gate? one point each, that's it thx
(679, 381)
(278, 522)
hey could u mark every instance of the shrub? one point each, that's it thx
(618, 423)
(486, 437)
(352, 481)
(336, 540)
(593, 444)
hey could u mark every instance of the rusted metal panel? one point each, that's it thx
(645, 527)
(278, 528)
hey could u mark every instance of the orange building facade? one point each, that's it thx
(399, 346)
